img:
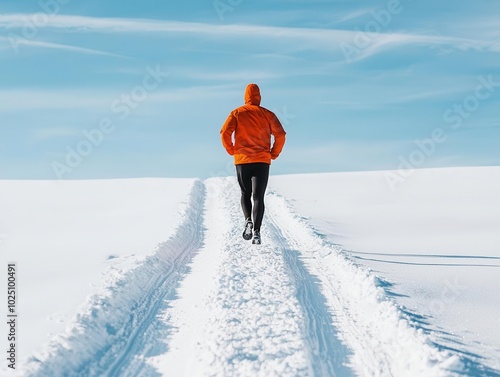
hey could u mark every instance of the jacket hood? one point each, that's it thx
(252, 95)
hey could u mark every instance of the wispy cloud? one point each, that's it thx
(128, 25)
(15, 42)
(385, 41)
(226, 75)
(54, 132)
(323, 39)
(25, 99)
(355, 14)
(385, 100)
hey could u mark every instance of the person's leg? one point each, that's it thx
(244, 176)
(259, 185)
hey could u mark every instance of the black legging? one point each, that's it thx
(253, 182)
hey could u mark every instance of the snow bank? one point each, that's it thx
(383, 339)
(101, 329)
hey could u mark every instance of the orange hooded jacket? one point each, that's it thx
(252, 126)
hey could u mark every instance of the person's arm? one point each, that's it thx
(226, 133)
(279, 137)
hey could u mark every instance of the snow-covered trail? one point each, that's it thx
(258, 315)
(208, 303)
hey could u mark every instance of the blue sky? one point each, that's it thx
(358, 85)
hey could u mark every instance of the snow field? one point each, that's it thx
(208, 303)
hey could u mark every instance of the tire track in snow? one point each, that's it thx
(382, 339)
(177, 253)
(328, 355)
(108, 331)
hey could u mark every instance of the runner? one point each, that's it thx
(252, 126)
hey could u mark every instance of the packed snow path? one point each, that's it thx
(208, 303)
